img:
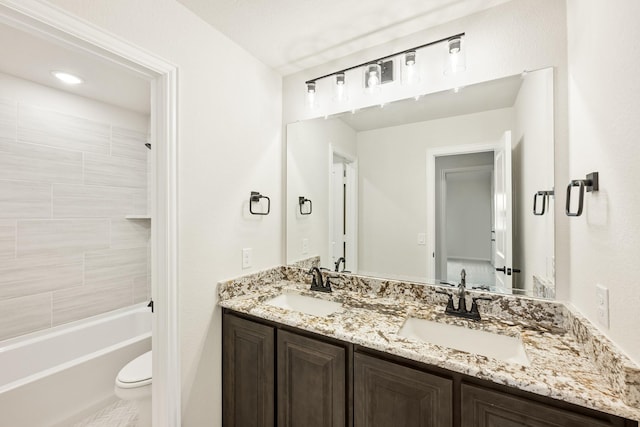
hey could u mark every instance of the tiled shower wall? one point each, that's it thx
(66, 249)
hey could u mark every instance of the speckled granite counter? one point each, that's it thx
(570, 360)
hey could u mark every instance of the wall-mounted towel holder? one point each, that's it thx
(255, 198)
(545, 196)
(301, 202)
(591, 183)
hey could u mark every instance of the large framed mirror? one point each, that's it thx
(422, 188)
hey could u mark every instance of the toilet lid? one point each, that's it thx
(137, 371)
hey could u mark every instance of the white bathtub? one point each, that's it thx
(58, 376)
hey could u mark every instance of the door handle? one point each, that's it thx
(503, 269)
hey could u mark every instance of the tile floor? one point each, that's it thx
(118, 414)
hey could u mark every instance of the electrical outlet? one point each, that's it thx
(602, 305)
(305, 246)
(422, 239)
(246, 257)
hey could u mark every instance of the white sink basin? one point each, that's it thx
(501, 347)
(305, 304)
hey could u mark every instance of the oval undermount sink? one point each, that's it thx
(305, 304)
(501, 347)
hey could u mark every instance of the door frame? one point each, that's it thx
(351, 206)
(52, 23)
(432, 154)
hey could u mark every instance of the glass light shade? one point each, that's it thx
(311, 100)
(340, 89)
(410, 73)
(372, 77)
(455, 61)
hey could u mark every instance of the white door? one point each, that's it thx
(502, 218)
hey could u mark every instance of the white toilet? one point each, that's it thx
(134, 383)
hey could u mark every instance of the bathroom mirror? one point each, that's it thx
(422, 188)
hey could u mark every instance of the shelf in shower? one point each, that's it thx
(137, 216)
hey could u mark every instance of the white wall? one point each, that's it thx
(532, 172)
(604, 101)
(392, 187)
(229, 142)
(308, 168)
(502, 41)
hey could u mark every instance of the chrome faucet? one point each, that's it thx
(340, 260)
(461, 310)
(317, 283)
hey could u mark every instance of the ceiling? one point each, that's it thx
(486, 96)
(32, 58)
(292, 35)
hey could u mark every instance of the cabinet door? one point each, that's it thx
(247, 373)
(488, 408)
(390, 395)
(311, 382)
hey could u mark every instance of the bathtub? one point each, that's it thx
(58, 376)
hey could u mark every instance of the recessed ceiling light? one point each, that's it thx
(67, 78)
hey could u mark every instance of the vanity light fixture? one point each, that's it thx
(380, 71)
(67, 78)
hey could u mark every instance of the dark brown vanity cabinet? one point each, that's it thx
(390, 395)
(273, 375)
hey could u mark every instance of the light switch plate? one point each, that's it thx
(602, 305)
(247, 257)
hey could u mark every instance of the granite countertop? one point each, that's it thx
(369, 317)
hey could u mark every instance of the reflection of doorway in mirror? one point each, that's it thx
(469, 218)
(343, 213)
(465, 219)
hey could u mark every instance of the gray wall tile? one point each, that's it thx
(7, 239)
(29, 162)
(44, 127)
(61, 236)
(82, 201)
(23, 315)
(30, 276)
(128, 143)
(114, 266)
(8, 119)
(130, 233)
(141, 289)
(140, 202)
(85, 301)
(115, 171)
(19, 199)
